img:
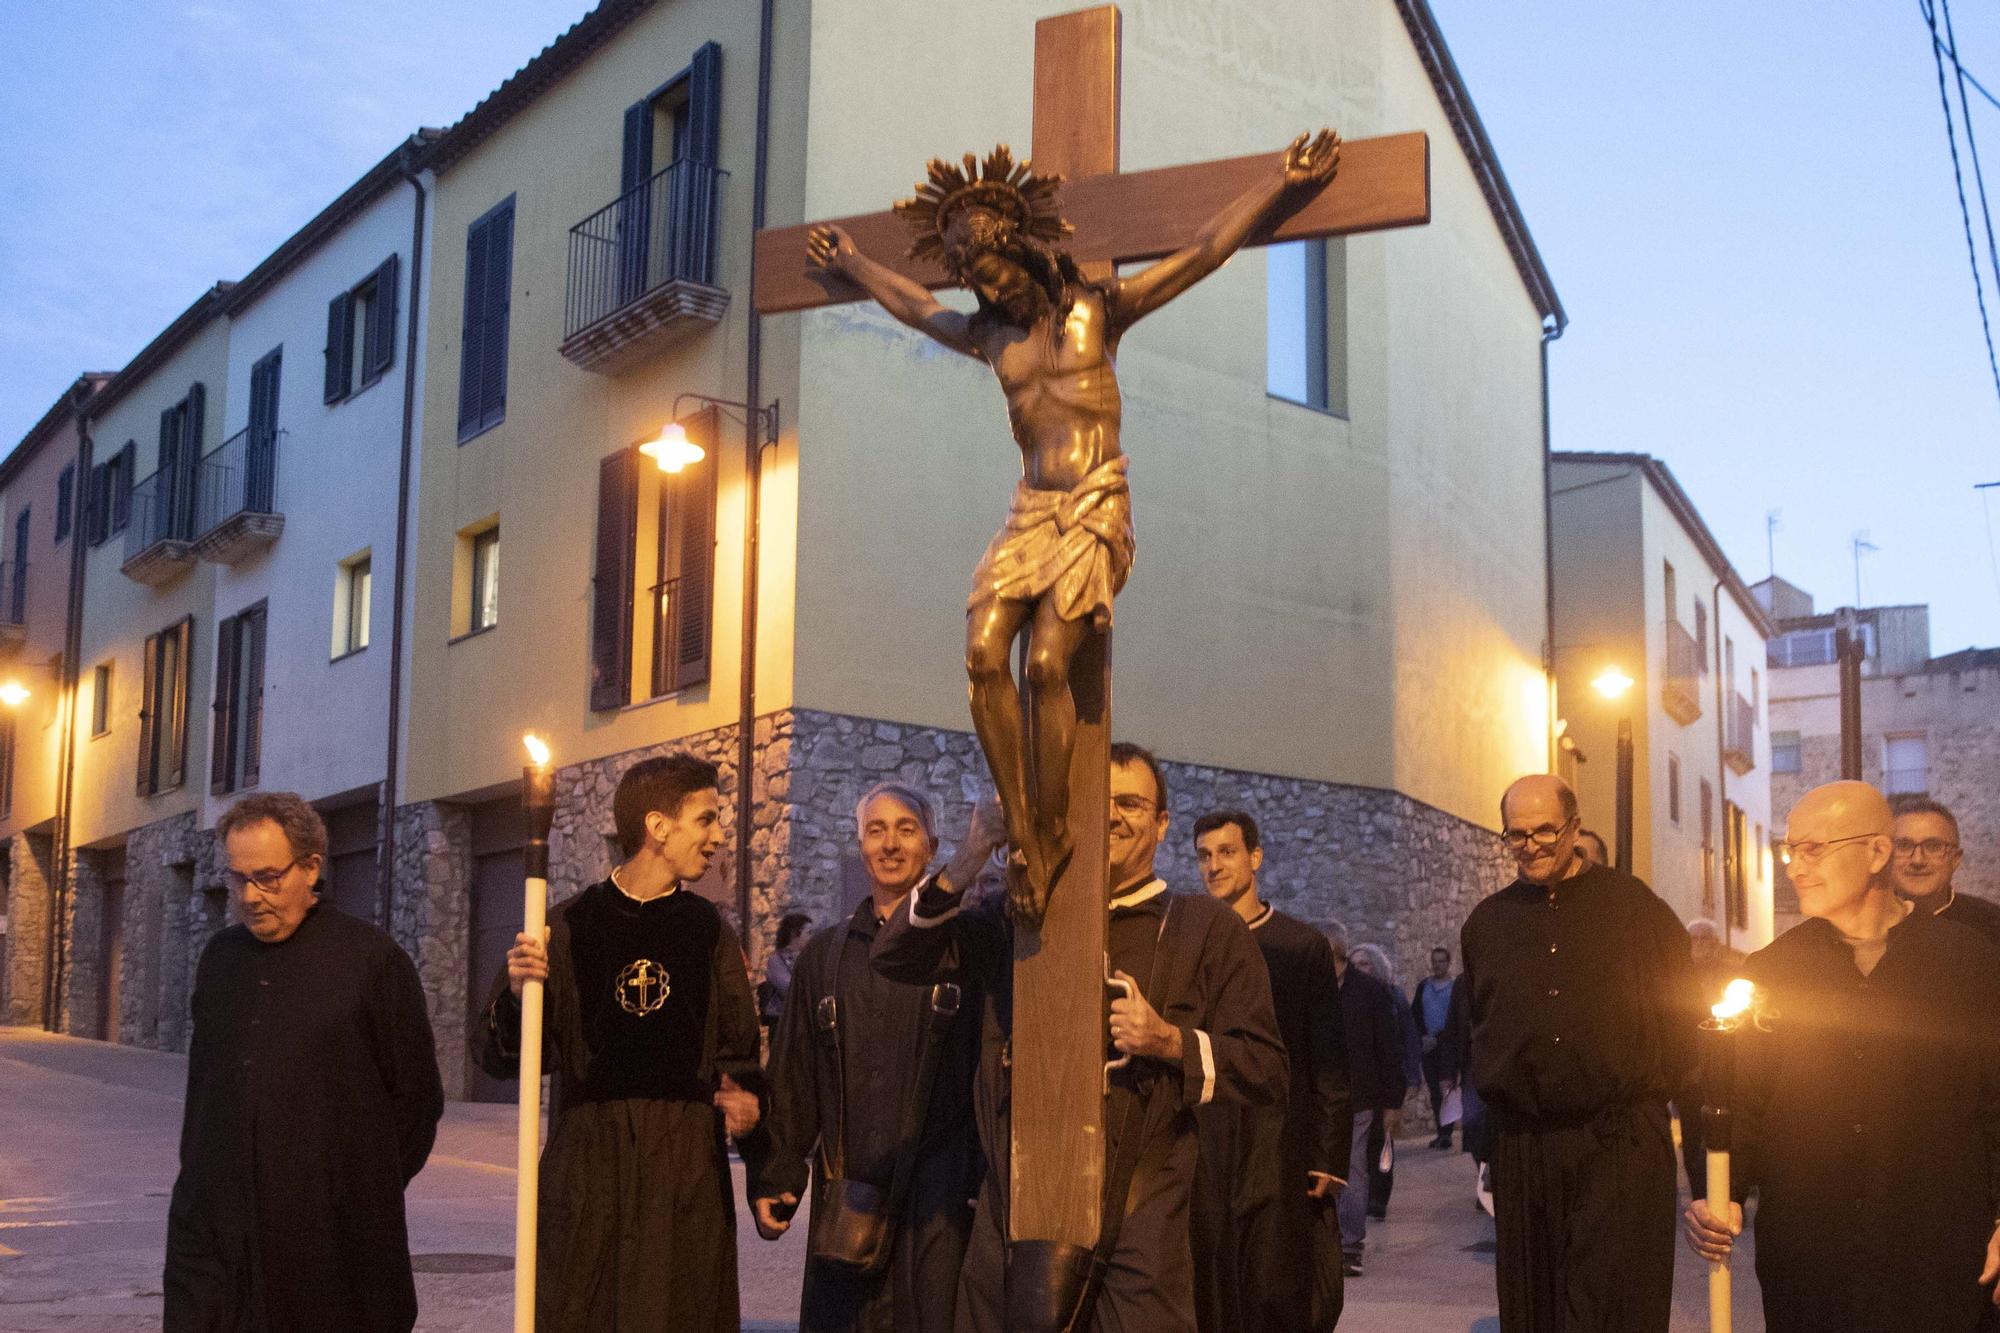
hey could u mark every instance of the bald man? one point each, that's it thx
(1581, 1013)
(1868, 1103)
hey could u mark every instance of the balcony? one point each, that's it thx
(234, 494)
(13, 605)
(159, 538)
(1680, 690)
(1739, 736)
(642, 270)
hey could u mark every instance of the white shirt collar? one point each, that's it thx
(1261, 917)
(1146, 892)
(628, 893)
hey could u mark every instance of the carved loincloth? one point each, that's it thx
(1075, 547)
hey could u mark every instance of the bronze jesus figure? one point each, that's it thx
(1051, 336)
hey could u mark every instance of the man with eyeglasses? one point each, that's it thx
(1198, 1025)
(1868, 1097)
(1924, 855)
(312, 1099)
(1581, 1011)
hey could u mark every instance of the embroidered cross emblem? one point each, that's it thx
(642, 987)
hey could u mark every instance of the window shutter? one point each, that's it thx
(119, 481)
(696, 213)
(705, 104)
(493, 347)
(382, 326)
(339, 345)
(611, 583)
(190, 467)
(252, 721)
(65, 500)
(179, 640)
(221, 777)
(694, 515)
(149, 707)
(472, 329)
(97, 507)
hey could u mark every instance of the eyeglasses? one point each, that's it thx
(1542, 837)
(266, 880)
(1935, 849)
(1133, 805)
(1806, 853)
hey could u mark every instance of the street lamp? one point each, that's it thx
(1613, 684)
(14, 694)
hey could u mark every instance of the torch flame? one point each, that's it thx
(538, 749)
(1736, 998)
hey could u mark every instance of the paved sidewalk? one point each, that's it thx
(89, 1132)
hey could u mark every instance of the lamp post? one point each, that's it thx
(538, 802)
(1613, 683)
(1718, 1091)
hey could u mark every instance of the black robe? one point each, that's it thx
(1199, 968)
(312, 1099)
(1581, 1018)
(1869, 1123)
(1981, 914)
(883, 1028)
(646, 1006)
(1266, 1256)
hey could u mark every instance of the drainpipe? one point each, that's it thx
(56, 955)
(753, 469)
(1721, 763)
(1552, 329)
(385, 837)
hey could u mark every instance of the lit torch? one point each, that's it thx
(538, 802)
(1719, 1090)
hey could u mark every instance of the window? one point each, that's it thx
(108, 506)
(163, 709)
(65, 501)
(353, 603)
(100, 699)
(1906, 765)
(361, 332)
(1756, 698)
(1701, 637)
(170, 508)
(1786, 753)
(1305, 320)
(1672, 592)
(1784, 897)
(239, 702)
(653, 582)
(486, 579)
(6, 764)
(482, 358)
(17, 582)
(1707, 848)
(1813, 647)
(1674, 788)
(1728, 662)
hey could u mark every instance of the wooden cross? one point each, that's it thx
(1057, 1175)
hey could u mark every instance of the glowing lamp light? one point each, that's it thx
(538, 749)
(1736, 998)
(1611, 683)
(14, 694)
(673, 450)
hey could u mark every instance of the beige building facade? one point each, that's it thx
(1642, 589)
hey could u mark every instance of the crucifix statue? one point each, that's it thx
(1051, 310)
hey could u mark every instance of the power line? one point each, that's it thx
(1938, 49)
(1984, 92)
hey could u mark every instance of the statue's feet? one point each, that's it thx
(1025, 900)
(1032, 872)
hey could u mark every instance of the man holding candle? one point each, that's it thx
(1868, 1098)
(871, 1080)
(1924, 855)
(1581, 1011)
(652, 1037)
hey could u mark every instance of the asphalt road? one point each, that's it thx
(88, 1134)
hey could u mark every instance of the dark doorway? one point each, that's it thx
(110, 956)
(497, 875)
(349, 877)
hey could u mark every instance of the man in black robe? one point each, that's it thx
(652, 1037)
(871, 1080)
(1201, 1030)
(1925, 854)
(312, 1099)
(1582, 1015)
(1266, 1243)
(1868, 1097)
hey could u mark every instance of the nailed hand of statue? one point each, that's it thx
(1311, 161)
(829, 247)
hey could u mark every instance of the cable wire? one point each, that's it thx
(1938, 50)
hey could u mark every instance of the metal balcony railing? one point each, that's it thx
(1739, 735)
(162, 511)
(238, 477)
(660, 231)
(1680, 688)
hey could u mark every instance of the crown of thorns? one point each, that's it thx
(984, 203)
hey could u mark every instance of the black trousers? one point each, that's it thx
(1585, 1220)
(1433, 1064)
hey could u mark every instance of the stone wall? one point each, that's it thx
(162, 862)
(27, 963)
(82, 937)
(430, 913)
